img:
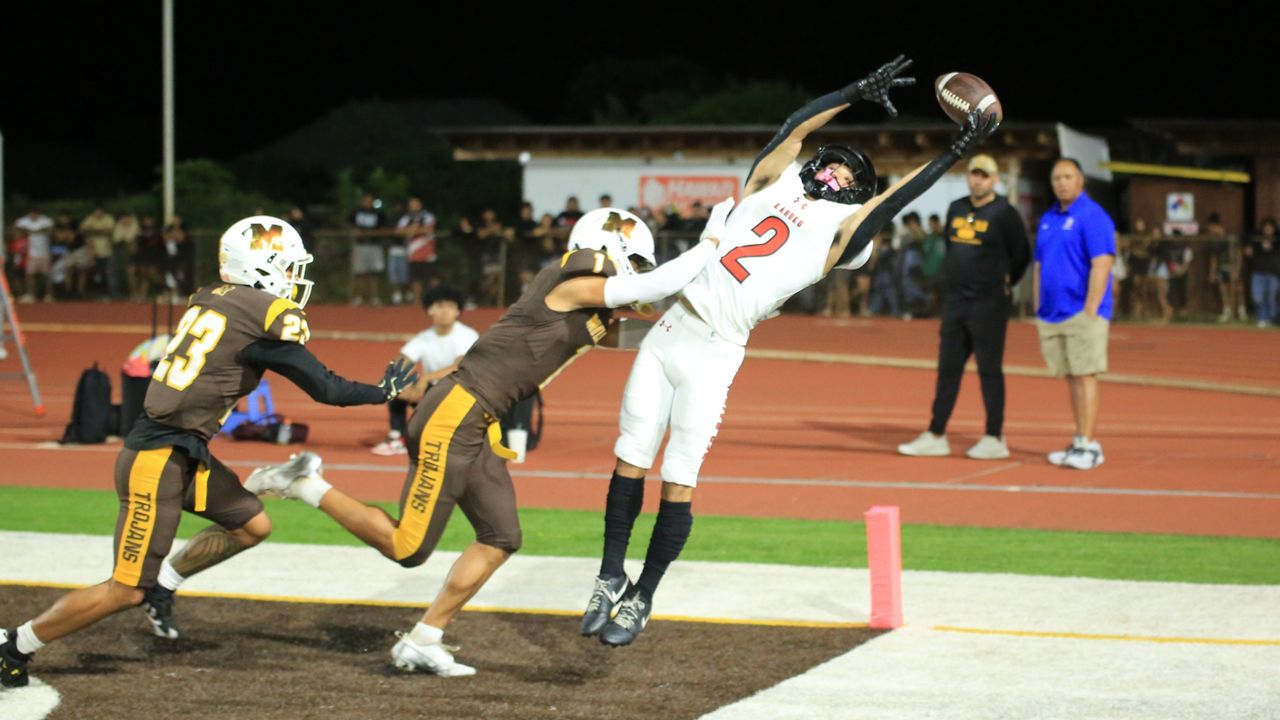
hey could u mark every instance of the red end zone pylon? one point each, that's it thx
(884, 559)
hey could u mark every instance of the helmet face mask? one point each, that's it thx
(830, 176)
(266, 253)
(821, 180)
(621, 235)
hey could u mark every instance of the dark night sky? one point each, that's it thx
(247, 73)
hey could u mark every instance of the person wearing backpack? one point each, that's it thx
(231, 333)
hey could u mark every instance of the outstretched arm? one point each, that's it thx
(857, 231)
(296, 362)
(785, 146)
(663, 281)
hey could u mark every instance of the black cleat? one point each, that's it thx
(13, 664)
(158, 604)
(608, 591)
(625, 627)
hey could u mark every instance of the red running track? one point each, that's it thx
(800, 439)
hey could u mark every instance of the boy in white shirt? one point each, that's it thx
(438, 349)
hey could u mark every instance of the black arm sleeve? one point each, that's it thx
(302, 368)
(819, 105)
(893, 204)
(1016, 244)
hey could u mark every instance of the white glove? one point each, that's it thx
(715, 223)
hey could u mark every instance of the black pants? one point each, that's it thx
(971, 327)
(399, 412)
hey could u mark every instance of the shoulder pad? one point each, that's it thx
(577, 263)
(286, 321)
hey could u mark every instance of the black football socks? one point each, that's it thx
(626, 495)
(675, 521)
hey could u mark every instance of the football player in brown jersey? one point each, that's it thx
(455, 454)
(231, 333)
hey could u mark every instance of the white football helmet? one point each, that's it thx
(618, 233)
(265, 252)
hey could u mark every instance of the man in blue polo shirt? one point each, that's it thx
(1075, 249)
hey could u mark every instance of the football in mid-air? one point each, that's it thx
(958, 93)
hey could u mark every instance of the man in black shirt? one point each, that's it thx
(987, 252)
(567, 217)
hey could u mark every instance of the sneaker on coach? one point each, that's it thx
(989, 447)
(1058, 456)
(277, 480)
(1084, 457)
(435, 658)
(927, 445)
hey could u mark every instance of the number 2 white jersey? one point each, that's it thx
(775, 244)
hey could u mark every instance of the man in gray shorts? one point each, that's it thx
(367, 261)
(1075, 248)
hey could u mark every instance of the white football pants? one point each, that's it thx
(681, 378)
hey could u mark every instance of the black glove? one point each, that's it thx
(400, 375)
(978, 127)
(875, 87)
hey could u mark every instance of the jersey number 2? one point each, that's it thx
(178, 371)
(732, 261)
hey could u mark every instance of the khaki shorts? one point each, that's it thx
(367, 258)
(1076, 346)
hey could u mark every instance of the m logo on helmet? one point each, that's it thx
(266, 238)
(616, 223)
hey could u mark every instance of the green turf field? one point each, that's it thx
(736, 539)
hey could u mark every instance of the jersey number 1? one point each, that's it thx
(732, 261)
(177, 370)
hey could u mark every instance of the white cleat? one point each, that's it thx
(435, 658)
(926, 445)
(279, 480)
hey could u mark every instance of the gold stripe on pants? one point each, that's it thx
(202, 489)
(140, 521)
(433, 452)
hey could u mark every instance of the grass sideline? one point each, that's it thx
(820, 543)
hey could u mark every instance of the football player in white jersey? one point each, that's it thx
(794, 224)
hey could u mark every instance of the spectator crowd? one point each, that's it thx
(398, 253)
(102, 257)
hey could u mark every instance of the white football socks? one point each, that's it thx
(27, 641)
(311, 489)
(424, 634)
(169, 578)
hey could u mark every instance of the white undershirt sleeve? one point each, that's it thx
(666, 279)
